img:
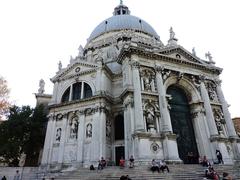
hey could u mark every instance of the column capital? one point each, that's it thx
(159, 69)
(135, 64)
(202, 78)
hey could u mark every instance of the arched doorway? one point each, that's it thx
(119, 138)
(182, 125)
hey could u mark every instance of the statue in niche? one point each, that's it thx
(108, 128)
(74, 128)
(147, 84)
(150, 119)
(41, 86)
(58, 134)
(89, 130)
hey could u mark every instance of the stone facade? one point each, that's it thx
(111, 100)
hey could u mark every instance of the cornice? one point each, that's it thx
(127, 50)
(66, 70)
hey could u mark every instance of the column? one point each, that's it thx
(170, 149)
(208, 109)
(229, 124)
(63, 139)
(47, 142)
(138, 111)
(80, 136)
(70, 94)
(165, 116)
(82, 89)
(102, 135)
(128, 130)
(52, 139)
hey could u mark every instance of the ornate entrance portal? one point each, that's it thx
(182, 125)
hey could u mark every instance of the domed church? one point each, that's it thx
(126, 93)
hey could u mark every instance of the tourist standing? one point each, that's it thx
(219, 157)
(16, 176)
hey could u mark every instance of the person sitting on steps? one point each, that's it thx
(155, 166)
(121, 162)
(163, 165)
(131, 162)
(102, 163)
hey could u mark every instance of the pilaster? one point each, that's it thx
(81, 131)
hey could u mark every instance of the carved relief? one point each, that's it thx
(89, 130)
(73, 127)
(58, 134)
(219, 120)
(211, 88)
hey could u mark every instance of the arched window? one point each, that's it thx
(65, 97)
(79, 90)
(76, 94)
(87, 91)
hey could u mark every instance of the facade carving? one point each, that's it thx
(128, 92)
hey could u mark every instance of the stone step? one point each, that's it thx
(181, 172)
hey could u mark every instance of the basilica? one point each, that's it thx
(127, 93)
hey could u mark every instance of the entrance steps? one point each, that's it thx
(181, 172)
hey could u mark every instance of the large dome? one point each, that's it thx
(123, 20)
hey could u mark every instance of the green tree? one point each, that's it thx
(23, 132)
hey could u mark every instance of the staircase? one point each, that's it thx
(181, 172)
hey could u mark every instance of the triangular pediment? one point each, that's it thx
(182, 54)
(73, 70)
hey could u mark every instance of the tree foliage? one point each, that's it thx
(4, 103)
(23, 132)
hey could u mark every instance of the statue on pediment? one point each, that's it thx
(80, 51)
(193, 51)
(208, 56)
(41, 86)
(59, 66)
(172, 33)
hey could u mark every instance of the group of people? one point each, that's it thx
(159, 165)
(210, 173)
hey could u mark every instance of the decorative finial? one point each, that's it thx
(121, 2)
(193, 51)
(208, 56)
(60, 66)
(41, 86)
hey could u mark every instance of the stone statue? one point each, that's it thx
(172, 33)
(80, 51)
(41, 86)
(89, 130)
(208, 56)
(147, 84)
(150, 118)
(74, 128)
(108, 128)
(193, 51)
(58, 134)
(59, 66)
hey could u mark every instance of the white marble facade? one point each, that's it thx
(118, 85)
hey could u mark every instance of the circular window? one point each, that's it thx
(154, 147)
(77, 69)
